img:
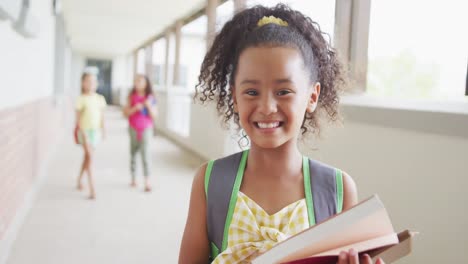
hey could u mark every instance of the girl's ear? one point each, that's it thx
(233, 90)
(313, 99)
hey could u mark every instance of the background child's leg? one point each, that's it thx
(82, 140)
(79, 185)
(146, 157)
(88, 151)
(133, 151)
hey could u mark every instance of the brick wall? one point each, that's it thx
(27, 135)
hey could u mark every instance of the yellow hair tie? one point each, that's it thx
(271, 20)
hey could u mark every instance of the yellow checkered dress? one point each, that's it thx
(253, 231)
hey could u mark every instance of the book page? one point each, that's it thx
(376, 225)
(364, 246)
(364, 221)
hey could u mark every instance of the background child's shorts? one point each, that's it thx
(92, 136)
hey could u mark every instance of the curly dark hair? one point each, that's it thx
(219, 66)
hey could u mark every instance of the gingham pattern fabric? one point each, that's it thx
(253, 231)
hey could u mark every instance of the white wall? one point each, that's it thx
(420, 177)
(62, 59)
(78, 64)
(27, 65)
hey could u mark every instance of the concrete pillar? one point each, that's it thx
(359, 42)
(166, 64)
(149, 61)
(178, 39)
(135, 63)
(351, 38)
(211, 21)
(342, 34)
(239, 5)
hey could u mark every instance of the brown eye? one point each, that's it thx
(283, 92)
(251, 92)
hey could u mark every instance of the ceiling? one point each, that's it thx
(108, 28)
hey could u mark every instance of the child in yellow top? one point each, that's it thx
(89, 125)
(271, 71)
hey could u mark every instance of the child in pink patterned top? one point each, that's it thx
(140, 110)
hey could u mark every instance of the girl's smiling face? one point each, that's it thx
(272, 92)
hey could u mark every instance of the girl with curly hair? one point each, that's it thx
(271, 71)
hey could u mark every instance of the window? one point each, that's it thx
(224, 13)
(159, 60)
(193, 48)
(197, 26)
(192, 51)
(172, 50)
(141, 61)
(417, 49)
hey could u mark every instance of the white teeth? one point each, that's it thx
(268, 125)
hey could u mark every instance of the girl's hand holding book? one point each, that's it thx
(352, 257)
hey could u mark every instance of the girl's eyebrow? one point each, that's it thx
(278, 81)
(284, 80)
(248, 81)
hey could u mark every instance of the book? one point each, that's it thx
(393, 253)
(366, 227)
(388, 254)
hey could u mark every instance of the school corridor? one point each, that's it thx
(402, 131)
(123, 224)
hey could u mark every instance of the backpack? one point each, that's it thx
(323, 193)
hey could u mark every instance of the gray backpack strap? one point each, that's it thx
(327, 190)
(219, 186)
